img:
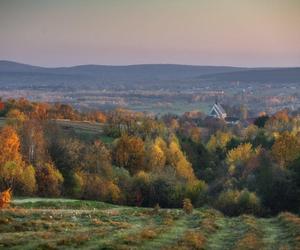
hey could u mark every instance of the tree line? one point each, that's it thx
(244, 168)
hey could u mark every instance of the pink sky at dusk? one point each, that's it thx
(202, 32)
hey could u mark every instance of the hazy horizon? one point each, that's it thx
(139, 64)
(257, 33)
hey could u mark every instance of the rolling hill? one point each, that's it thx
(36, 223)
(147, 75)
(271, 75)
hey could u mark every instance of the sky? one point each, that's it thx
(251, 33)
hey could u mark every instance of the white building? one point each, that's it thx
(217, 111)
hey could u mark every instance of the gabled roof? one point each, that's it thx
(219, 107)
(217, 110)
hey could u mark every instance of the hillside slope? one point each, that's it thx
(279, 75)
(146, 75)
(67, 224)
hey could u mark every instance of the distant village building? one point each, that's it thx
(217, 111)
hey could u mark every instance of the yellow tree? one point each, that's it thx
(286, 148)
(219, 140)
(9, 146)
(178, 161)
(155, 155)
(239, 156)
(13, 172)
(16, 117)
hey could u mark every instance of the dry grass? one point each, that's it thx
(192, 240)
(250, 241)
(292, 224)
(208, 225)
(77, 240)
(148, 234)
(252, 238)
(107, 227)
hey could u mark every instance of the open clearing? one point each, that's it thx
(37, 223)
(83, 130)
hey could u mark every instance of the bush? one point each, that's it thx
(187, 206)
(78, 185)
(49, 180)
(10, 174)
(5, 198)
(192, 240)
(114, 192)
(28, 181)
(161, 191)
(197, 192)
(235, 202)
(21, 179)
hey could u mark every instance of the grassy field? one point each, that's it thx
(69, 224)
(177, 108)
(86, 131)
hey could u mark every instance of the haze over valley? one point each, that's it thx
(154, 88)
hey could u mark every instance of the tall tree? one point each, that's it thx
(286, 148)
(129, 153)
(9, 146)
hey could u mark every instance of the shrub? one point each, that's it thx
(94, 187)
(20, 178)
(148, 234)
(193, 240)
(196, 191)
(114, 192)
(10, 174)
(156, 208)
(78, 184)
(187, 206)
(28, 181)
(5, 198)
(49, 180)
(235, 202)
(248, 242)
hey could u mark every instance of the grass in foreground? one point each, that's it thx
(68, 224)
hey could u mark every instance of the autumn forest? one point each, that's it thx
(138, 160)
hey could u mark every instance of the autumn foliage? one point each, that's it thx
(9, 146)
(5, 198)
(140, 160)
(187, 206)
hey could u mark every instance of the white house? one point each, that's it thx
(217, 111)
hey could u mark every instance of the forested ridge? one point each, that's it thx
(135, 159)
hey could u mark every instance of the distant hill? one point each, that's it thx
(159, 69)
(23, 75)
(270, 75)
(8, 66)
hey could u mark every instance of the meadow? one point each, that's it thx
(68, 224)
(83, 130)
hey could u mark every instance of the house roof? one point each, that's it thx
(231, 119)
(218, 109)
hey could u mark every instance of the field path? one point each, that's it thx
(230, 229)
